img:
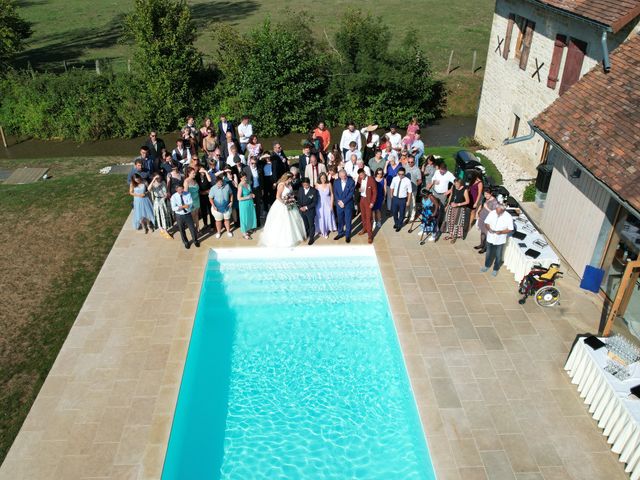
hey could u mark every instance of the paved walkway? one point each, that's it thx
(487, 373)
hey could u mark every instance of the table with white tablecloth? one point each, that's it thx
(610, 402)
(514, 257)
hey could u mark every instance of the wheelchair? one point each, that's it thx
(540, 283)
(427, 222)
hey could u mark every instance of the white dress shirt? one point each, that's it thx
(314, 174)
(401, 187)
(395, 139)
(498, 223)
(244, 132)
(375, 138)
(354, 173)
(177, 202)
(182, 152)
(441, 182)
(231, 162)
(348, 137)
(363, 187)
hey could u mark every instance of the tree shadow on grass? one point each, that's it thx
(204, 14)
(73, 44)
(30, 3)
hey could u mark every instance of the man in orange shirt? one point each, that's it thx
(322, 135)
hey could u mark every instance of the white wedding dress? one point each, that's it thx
(284, 227)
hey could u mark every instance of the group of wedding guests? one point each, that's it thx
(220, 178)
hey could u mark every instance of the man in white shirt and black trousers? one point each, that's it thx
(181, 204)
(499, 225)
(400, 198)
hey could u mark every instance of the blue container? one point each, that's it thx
(592, 279)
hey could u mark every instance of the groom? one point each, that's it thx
(307, 198)
(343, 190)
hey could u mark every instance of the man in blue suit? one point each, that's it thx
(343, 190)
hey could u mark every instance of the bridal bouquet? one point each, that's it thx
(290, 201)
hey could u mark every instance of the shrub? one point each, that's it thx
(372, 84)
(279, 79)
(278, 73)
(165, 61)
(529, 194)
(469, 142)
(79, 105)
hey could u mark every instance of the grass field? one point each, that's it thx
(79, 32)
(55, 236)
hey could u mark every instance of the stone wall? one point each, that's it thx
(508, 91)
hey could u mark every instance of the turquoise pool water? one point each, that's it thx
(294, 371)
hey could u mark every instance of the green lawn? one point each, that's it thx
(77, 30)
(449, 154)
(55, 235)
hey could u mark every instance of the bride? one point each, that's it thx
(284, 226)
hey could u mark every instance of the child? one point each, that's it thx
(429, 216)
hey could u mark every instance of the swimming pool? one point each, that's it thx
(294, 370)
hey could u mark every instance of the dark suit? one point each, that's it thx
(310, 200)
(303, 161)
(345, 213)
(220, 164)
(257, 191)
(154, 151)
(224, 147)
(280, 164)
(205, 206)
(222, 133)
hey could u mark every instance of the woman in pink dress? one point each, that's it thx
(325, 221)
(410, 137)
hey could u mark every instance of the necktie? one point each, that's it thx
(313, 179)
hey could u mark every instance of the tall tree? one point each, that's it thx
(278, 78)
(373, 83)
(13, 31)
(165, 60)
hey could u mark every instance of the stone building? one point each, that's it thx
(538, 50)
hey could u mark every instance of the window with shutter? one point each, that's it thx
(516, 126)
(573, 64)
(521, 22)
(526, 47)
(507, 38)
(556, 60)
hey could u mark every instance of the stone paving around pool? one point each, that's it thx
(487, 373)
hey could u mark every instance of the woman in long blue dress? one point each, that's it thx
(246, 208)
(380, 194)
(142, 207)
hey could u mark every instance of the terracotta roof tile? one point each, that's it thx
(613, 13)
(597, 122)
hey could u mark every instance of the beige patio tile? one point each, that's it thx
(465, 452)
(497, 465)
(487, 374)
(517, 449)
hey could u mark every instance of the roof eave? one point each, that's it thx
(613, 193)
(600, 25)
